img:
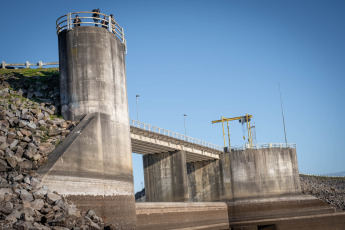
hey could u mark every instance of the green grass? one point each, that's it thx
(41, 72)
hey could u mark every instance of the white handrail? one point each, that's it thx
(265, 146)
(27, 64)
(66, 22)
(172, 134)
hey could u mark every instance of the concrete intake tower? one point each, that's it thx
(93, 166)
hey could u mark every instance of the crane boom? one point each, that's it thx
(232, 119)
(242, 119)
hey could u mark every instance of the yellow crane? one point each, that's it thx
(242, 120)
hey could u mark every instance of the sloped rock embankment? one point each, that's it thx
(329, 189)
(30, 129)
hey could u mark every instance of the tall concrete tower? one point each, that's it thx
(93, 165)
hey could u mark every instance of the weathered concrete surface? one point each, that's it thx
(95, 170)
(166, 177)
(288, 212)
(255, 173)
(182, 216)
(204, 181)
(86, 169)
(92, 74)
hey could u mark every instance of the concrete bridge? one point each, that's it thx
(149, 139)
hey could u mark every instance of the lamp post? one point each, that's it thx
(136, 97)
(185, 132)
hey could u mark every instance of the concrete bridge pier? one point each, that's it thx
(205, 180)
(166, 177)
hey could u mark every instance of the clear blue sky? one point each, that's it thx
(212, 58)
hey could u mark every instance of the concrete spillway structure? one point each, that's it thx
(93, 166)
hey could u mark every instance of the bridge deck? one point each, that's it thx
(150, 142)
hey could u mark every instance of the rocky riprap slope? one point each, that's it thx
(30, 129)
(329, 189)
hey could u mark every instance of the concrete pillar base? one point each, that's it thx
(88, 170)
(166, 177)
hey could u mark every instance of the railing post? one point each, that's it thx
(3, 65)
(110, 24)
(39, 64)
(68, 21)
(27, 63)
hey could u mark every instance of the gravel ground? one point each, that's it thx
(329, 189)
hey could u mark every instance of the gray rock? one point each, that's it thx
(40, 226)
(2, 115)
(13, 107)
(32, 125)
(12, 161)
(13, 216)
(4, 191)
(90, 213)
(3, 166)
(27, 180)
(41, 122)
(20, 151)
(37, 204)
(54, 132)
(23, 123)
(26, 132)
(26, 139)
(37, 157)
(25, 195)
(52, 197)
(40, 116)
(10, 114)
(29, 153)
(34, 181)
(39, 194)
(2, 139)
(25, 165)
(49, 111)
(14, 144)
(73, 212)
(18, 178)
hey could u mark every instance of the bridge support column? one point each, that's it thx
(204, 180)
(166, 177)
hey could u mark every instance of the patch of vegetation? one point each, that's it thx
(42, 72)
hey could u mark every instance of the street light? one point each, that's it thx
(185, 132)
(136, 97)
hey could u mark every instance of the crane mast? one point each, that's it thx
(242, 120)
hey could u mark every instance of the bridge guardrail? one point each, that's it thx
(182, 137)
(67, 22)
(172, 134)
(265, 146)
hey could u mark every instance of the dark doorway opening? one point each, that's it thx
(267, 227)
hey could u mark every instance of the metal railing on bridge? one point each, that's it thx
(154, 129)
(67, 22)
(265, 146)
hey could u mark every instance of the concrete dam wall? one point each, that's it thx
(241, 174)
